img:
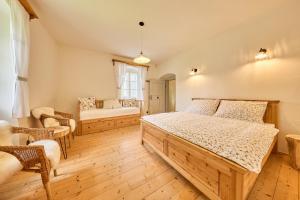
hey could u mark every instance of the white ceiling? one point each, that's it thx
(170, 25)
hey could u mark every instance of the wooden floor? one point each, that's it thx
(113, 165)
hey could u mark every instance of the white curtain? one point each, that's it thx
(141, 82)
(121, 70)
(120, 73)
(19, 29)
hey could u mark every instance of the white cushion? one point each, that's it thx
(37, 112)
(5, 133)
(203, 106)
(243, 110)
(52, 151)
(111, 103)
(116, 104)
(72, 124)
(50, 122)
(105, 113)
(108, 104)
(9, 165)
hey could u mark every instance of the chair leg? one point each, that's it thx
(74, 133)
(48, 190)
(69, 138)
(55, 172)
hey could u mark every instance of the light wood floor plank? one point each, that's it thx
(113, 165)
(287, 184)
(267, 180)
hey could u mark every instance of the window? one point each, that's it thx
(130, 86)
(130, 81)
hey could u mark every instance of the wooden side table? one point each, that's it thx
(60, 132)
(294, 150)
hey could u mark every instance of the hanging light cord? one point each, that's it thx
(141, 35)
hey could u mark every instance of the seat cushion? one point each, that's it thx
(52, 151)
(50, 122)
(72, 124)
(9, 165)
(105, 113)
(37, 112)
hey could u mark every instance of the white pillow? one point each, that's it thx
(203, 106)
(108, 104)
(116, 104)
(252, 111)
(111, 103)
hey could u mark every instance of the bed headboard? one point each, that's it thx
(271, 114)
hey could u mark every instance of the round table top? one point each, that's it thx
(293, 136)
(61, 131)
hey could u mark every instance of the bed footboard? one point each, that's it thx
(216, 177)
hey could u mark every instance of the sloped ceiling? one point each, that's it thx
(170, 25)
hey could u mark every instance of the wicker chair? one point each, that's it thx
(39, 156)
(61, 118)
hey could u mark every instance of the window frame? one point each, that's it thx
(128, 83)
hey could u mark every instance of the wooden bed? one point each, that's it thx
(103, 124)
(215, 176)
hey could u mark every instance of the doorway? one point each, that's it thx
(170, 95)
(161, 94)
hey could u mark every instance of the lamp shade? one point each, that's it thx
(141, 59)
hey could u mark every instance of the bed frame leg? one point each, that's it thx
(142, 133)
(275, 148)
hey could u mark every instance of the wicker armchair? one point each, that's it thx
(31, 157)
(63, 119)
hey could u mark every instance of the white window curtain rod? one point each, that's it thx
(129, 63)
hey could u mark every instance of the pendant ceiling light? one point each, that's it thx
(141, 59)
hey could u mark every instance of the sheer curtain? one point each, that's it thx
(141, 82)
(120, 75)
(121, 71)
(19, 28)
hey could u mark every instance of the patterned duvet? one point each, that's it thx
(245, 143)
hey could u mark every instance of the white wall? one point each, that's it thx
(84, 73)
(43, 67)
(7, 75)
(229, 70)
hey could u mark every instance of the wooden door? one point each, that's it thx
(156, 96)
(170, 96)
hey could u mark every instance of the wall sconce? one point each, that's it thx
(194, 71)
(262, 54)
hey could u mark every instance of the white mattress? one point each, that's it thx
(104, 113)
(243, 142)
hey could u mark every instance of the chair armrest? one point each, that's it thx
(63, 114)
(62, 121)
(36, 133)
(29, 156)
